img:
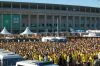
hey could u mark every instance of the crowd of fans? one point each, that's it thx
(77, 51)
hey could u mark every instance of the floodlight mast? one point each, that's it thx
(57, 28)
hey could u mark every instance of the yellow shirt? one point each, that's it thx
(83, 59)
(40, 58)
(55, 60)
(36, 57)
(65, 56)
(50, 58)
(74, 56)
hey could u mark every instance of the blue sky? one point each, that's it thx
(92, 3)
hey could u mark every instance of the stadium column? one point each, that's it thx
(95, 23)
(29, 20)
(79, 22)
(37, 23)
(90, 20)
(2, 20)
(11, 24)
(20, 23)
(46, 27)
(91, 23)
(90, 10)
(85, 10)
(45, 19)
(66, 22)
(53, 23)
(60, 23)
(73, 21)
(11, 18)
(85, 23)
(98, 20)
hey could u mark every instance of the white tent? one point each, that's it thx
(53, 39)
(27, 31)
(5, 32)
(93, 31)
(90, 35)
(48, 38)
(60, 38)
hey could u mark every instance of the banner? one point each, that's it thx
(15, 22)
(7, 21)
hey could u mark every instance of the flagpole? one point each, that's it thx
(11, 17)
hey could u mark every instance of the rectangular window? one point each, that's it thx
(88, 25)
(92, 25)
(97, 10)
(70, 8)
(41, 6)
(33, 6)
(49, 25)
(76, 9)
(63, 8)
(82, 9)
(93, 10)
(42, 25)
(87, 9)
(24, 6)
(33, 25)
(76, 25)
(6, 5)
(49, 7)
(15, 5)
(56, 7)
(63, 25)
(82, 25)
(55, 25)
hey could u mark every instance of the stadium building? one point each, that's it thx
(16, 16)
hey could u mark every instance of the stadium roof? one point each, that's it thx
(88, 3)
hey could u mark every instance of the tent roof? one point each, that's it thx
(4, 31)
(27, 31)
